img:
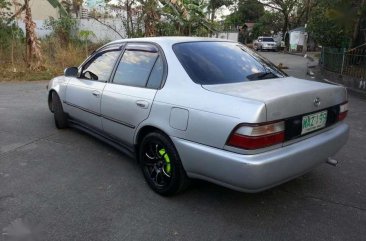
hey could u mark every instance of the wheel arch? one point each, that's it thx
(143, 131)
(49, 99)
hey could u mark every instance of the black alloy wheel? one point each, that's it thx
(161, 165)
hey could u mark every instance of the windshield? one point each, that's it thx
(210, 63)
(267, 39)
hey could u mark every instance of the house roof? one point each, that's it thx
(249, 25)
(298, 29)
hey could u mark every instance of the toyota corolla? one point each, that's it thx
(201, 108)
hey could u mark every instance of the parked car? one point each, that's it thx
(201, 108)
(265, 43)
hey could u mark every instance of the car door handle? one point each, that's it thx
(96, 93)
(142, 103)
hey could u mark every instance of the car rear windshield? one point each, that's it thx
(210, 63)
(267, 40)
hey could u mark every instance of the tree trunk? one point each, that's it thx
(33, 50)
(285, 23)
(356, 29)
(151, 17)
(212, 14)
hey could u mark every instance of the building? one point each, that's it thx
(41, 9)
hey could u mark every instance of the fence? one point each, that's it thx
(350, 63)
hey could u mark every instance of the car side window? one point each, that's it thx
(135, 67)
(156, 75)
(100, 66)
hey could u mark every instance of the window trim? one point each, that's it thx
(160, 53)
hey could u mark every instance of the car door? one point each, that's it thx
(83, 94)
(127, 99)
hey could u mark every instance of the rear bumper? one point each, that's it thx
(254, 173)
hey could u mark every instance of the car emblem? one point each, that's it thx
(317, 102)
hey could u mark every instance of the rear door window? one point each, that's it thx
(138, 66)
(156, 75)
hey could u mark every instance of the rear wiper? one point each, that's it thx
(262, 75)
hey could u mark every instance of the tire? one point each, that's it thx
(58, 112)
(161, 165)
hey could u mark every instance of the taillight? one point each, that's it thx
(343, 110)
(252, 137)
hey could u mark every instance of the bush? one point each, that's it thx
(63, 28)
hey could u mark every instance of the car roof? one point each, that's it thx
(169, 40)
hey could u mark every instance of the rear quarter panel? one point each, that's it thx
(211, 116)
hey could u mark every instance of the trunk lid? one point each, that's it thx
(285, 97)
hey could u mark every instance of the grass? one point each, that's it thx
(8, 73)
(56, 57)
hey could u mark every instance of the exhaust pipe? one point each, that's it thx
(332, 162)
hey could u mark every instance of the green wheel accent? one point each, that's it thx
(167, 167)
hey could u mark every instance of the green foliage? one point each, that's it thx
(332, 23)
(213, 5)
(270, 21)
(4, 11)
(62, 28)
(10, 33)
(85, 34)
(57, 4)
(246, 11)
(188, 19)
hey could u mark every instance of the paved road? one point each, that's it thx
(297, 65)
(65, 185)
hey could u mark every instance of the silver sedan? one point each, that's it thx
(201, 108)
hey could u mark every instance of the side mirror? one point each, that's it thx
(71, 72)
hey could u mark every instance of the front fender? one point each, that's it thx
(58, 85)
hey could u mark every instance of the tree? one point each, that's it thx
(71, 6)
(188, 16)
(216, 4)
(33, 49)
(270, 21)
(303, 10)
(62, 28)
(245, 11)
(131, 14)
(85, 35)
(338, 23)
(4, 11)
(285, 7)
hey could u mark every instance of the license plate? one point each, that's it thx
(313, 122)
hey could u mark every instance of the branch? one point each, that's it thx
(16, 14)
(206, 25)
(271, 6)
(107, 26)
